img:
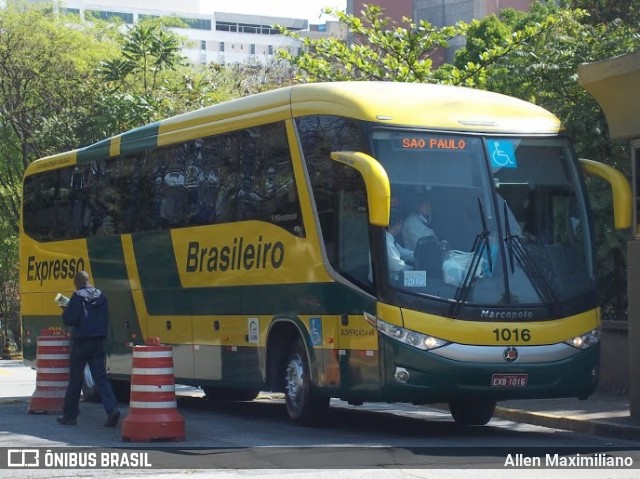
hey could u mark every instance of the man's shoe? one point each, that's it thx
(112, 418)
(66, 421)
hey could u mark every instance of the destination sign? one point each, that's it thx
(431, 143)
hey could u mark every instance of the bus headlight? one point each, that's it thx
(406, 336)
(586, 340)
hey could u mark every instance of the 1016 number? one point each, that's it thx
(506, 334)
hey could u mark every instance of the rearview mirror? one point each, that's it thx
(376, 181)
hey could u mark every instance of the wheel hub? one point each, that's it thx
(294, 378)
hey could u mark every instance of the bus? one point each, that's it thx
(251, 236)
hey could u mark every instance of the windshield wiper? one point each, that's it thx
(480, 245)
(517, 250)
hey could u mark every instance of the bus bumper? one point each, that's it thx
(420, 376)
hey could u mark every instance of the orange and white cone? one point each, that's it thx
(153, 413)
(52, 372)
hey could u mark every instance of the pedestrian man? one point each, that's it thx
(87, 313)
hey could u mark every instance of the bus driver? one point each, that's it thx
(418, 224)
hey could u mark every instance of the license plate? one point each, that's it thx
(509, 380)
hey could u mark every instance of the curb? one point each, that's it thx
(576, 424)
(14, 400)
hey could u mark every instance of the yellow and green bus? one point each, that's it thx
(251, 237)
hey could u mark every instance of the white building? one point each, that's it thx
(219, 37)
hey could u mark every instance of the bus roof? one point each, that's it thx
(438, 107)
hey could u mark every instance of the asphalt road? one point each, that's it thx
(255, 438)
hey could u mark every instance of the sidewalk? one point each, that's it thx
(602, 414)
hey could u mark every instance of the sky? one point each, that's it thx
(307, 9)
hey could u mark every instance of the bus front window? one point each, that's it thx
(467, 200)
(540, 183)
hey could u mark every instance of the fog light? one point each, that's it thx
(401, 375)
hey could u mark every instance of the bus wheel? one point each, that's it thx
(304, 405)
(225, 394)
(89, 389)
(472, 413)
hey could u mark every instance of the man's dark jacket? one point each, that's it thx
(87, 313)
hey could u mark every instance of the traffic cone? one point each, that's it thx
(153, 413)
(52, 372)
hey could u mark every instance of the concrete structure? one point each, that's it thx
(614, 84)
(218, 37)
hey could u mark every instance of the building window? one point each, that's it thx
(104, 15)
(253, 49)
(226, 27)
(222, 46)
(197, 23)
(203, 45)
(270, 49)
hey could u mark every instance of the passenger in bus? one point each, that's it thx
(418, 223)
(400, 258)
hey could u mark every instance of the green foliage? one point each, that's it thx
(45, 90)
(376, 50)
(151, 80)
(607, 11)
(9, 300)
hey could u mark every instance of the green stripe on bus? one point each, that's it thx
(140, 139)
(303, 299)
(107, 261)
(97, 151)
(155, 259)
(110, 275)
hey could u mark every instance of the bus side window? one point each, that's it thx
(339, 193)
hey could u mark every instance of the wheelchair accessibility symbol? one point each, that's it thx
(502, 154)
(315, 330)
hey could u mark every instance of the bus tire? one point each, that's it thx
(304, 405)
(472, 413)
(226, 394)
(89, 390)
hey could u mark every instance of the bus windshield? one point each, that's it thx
(485, 220)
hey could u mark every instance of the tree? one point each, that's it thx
(376, 50)
(149, 80)
(379, 50)
(607, 11)
(9, 300)
(148, 48)
(45, 91)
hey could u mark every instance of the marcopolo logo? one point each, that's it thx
(509, 314)
(241, 255)
(45, 270)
